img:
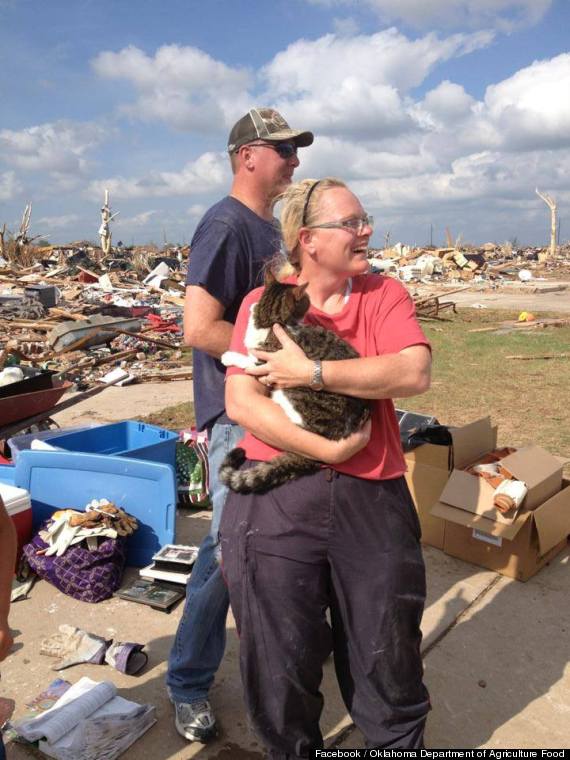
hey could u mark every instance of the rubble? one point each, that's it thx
(487, 267)
(81, 312)
(78, 312)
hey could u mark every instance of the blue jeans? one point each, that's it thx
(201, 636)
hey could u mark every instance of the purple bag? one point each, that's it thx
(90, 576)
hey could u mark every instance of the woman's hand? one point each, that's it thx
(286, 368)
(6, 640)
(336, 452)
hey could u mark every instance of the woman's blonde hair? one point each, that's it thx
(300, 208)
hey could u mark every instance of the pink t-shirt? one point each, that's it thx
(378, 318)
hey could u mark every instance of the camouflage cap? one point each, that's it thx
(265, 124)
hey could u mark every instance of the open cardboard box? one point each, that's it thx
(429, 467)
(516, 545)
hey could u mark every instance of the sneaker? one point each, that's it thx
(195, 721)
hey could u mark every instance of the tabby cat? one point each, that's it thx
(332, 415)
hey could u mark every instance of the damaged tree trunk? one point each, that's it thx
(551, 203)
(22, 238)
(104, 229)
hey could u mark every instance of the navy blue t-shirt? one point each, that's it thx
(227, 253)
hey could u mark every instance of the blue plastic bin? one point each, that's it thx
(24, 442)
(145, 490)
(132, 439)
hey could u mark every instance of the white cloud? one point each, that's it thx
(505, 15)
(182, 86)
(358, 86)
(138, 220)
(468, 163)
(59, 147)
(10, 187)
(411, 157)
(57, 222)
(351, 160)
(309, 67)
(197, 210)
(345, 27)
(532, 108)
(449, 102)
(209, 173)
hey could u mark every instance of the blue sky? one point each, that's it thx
(437, 112)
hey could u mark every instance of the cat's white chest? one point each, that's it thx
(254, 337)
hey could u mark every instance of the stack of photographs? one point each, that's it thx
(173, 564)
(157, 595)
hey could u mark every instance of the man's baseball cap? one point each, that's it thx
(265, 124)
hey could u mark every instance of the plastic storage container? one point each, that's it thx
(124, 439)
(145, 490)
(20, 443)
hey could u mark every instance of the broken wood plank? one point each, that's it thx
(538, 356)
(181, 374)
(141, 336)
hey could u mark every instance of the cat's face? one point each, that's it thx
(281, 304)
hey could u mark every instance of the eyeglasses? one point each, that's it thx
(284, 150)
(354, 225)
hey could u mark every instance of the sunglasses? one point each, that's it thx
(284, 150)
(354, 225)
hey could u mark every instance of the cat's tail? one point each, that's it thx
(264, 475)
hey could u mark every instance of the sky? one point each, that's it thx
(437, 113)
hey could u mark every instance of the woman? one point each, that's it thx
(346, 538)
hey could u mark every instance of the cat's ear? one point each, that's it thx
(299, 290)
(269, 277)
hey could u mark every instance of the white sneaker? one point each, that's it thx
(195, 721)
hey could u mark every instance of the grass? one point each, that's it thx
(175, 417)
(472, 378)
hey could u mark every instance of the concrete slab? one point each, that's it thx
(497, 662)
(501, 678)
(543, 300)
(116, 404)
(453, 586)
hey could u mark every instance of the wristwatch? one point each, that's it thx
(317, 377)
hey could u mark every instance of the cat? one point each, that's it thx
(332, 415)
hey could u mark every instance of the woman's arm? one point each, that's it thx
(399, 375)
(7, 562)
(248, 404)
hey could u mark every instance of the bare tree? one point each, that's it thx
(22, 238)
(551, 203)
(104, 229)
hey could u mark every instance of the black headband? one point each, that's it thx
(307, 199)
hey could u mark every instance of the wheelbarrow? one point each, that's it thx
(20, 411)
(17, 409)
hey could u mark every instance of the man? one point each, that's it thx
(7, 562)
(231, 244)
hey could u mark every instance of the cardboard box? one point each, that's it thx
(429, 467)
(513, 545)
(518, 550)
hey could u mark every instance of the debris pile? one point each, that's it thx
(455, 268)
(491, 265)
(79, 312)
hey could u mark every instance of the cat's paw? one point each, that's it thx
(234, 359)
